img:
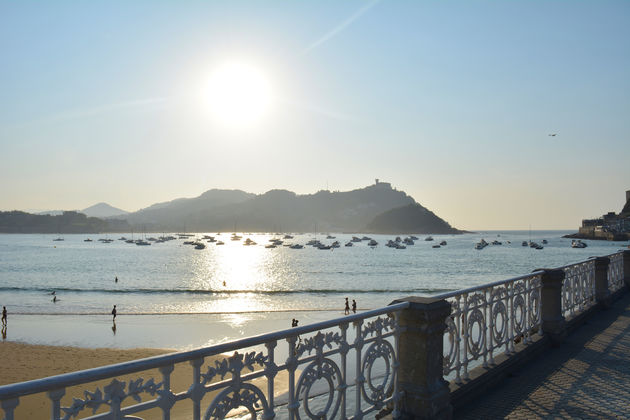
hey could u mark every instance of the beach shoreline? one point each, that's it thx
(176, 332)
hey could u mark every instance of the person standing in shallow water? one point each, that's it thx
(114, 314)
(4, 316)
(347, 308)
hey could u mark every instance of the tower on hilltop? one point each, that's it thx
(380, 184)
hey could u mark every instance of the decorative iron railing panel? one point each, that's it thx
(321, 363)
(489, 318)
(578, 288)
(615, 272)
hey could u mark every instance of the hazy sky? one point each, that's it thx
(452, 102)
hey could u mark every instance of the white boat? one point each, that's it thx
(481, 244)
(578, 244)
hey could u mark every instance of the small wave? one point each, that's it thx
(222, 292)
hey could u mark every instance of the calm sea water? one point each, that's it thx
(173, 278)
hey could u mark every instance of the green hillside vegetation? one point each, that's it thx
(410, 219)
(379, 207)
(68, 222)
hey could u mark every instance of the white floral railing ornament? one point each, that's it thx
(333, 355)
(615, 272)
(578, 288)
(487, 318)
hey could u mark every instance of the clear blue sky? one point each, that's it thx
(449, 101)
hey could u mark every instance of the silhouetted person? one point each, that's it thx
(114, 314)
(55, 299)
(4, 316)
(116, 279)
(347, 308)
(354, 306)
(294, 322)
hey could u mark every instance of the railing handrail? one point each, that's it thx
(487, 285)
(103, 372)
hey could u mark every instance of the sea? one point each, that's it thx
(172, 283)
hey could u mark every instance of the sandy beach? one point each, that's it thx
(23, 362)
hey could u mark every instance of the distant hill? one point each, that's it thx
(103, 210)
(68, 222)
(275, 210)
(187, 213)
(376, 208)
(412, 218)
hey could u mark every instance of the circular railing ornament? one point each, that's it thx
(328, 371)
(476, 334)
(247, 396)
(378, 392)
(499, 321)
(453, 345)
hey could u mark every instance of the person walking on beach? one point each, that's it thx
(347, 308)
(354, 306)
(114, 314)
(4, 316)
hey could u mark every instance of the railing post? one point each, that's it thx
(602, 294)
(626, 267)
(552, 318)
(424, 392)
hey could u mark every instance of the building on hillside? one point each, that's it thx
(611, 226)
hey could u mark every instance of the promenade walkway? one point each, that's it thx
(587, 377)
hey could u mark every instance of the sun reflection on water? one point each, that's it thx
(233, 272)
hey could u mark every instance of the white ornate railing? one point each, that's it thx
(487, 318)
(322, 361)
(578, 288)
(615, 272)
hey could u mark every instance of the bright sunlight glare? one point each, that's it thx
(238, 94)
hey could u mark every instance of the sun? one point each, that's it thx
(238, 94)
